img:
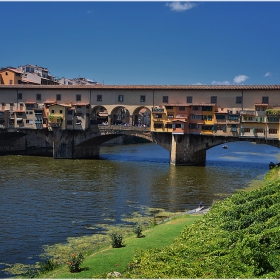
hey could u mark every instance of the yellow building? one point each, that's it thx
(57, 116)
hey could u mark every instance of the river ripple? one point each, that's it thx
(44, 201)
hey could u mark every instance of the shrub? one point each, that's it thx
(75, 262)
(117, 240)
(138, 231)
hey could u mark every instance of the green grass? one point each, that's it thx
(109, 259)
(238, 238)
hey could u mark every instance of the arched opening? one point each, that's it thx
(120, 116)
(141, 117)
(99, 115)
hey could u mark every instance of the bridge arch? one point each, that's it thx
(141, 116)
(98, 115)
(120, 115)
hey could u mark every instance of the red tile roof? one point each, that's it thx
(11, 69)
(50, 101)
(150, 87)
(80, 104)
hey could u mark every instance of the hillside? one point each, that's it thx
(238, 238)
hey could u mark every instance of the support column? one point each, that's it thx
(109, 120)
(62, 148)
(183, 153)
(130, 120)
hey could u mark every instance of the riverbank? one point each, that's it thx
(238, 238)
(109, 259)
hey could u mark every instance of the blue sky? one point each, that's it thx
(152, 43)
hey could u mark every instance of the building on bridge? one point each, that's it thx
(186, 120)
(242, 111)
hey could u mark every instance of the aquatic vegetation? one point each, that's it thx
(59, 253)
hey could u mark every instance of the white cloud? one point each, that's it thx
(180, 6)
(240, 78)
(220, 83)
(90, 11)
(268, 74)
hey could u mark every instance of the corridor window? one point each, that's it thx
(165, 99)
(38, 96)
(142, 98)
(78, 97)
(189, 99)
(99, 97)
(58, 97)
(213, 99)
(19, 95)
(238, 99)
(120, 98)
(265, 100)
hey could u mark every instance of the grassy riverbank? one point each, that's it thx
(109, 259)
(238, 238)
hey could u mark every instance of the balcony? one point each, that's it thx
(55, 124)
(248, 112)
(157, 110)
(272, 112)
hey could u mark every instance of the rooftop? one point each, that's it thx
(148, 87)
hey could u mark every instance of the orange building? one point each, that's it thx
(10, 76)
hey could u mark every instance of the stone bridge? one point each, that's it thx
(187, 149)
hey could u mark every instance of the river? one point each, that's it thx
(44, 201)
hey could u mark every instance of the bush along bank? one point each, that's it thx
(238, 238)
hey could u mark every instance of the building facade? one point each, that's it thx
(10, 76)
(241, 111)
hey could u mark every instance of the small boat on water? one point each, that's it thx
(225, 146)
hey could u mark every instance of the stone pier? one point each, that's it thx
(64, 146)
(184, 151)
